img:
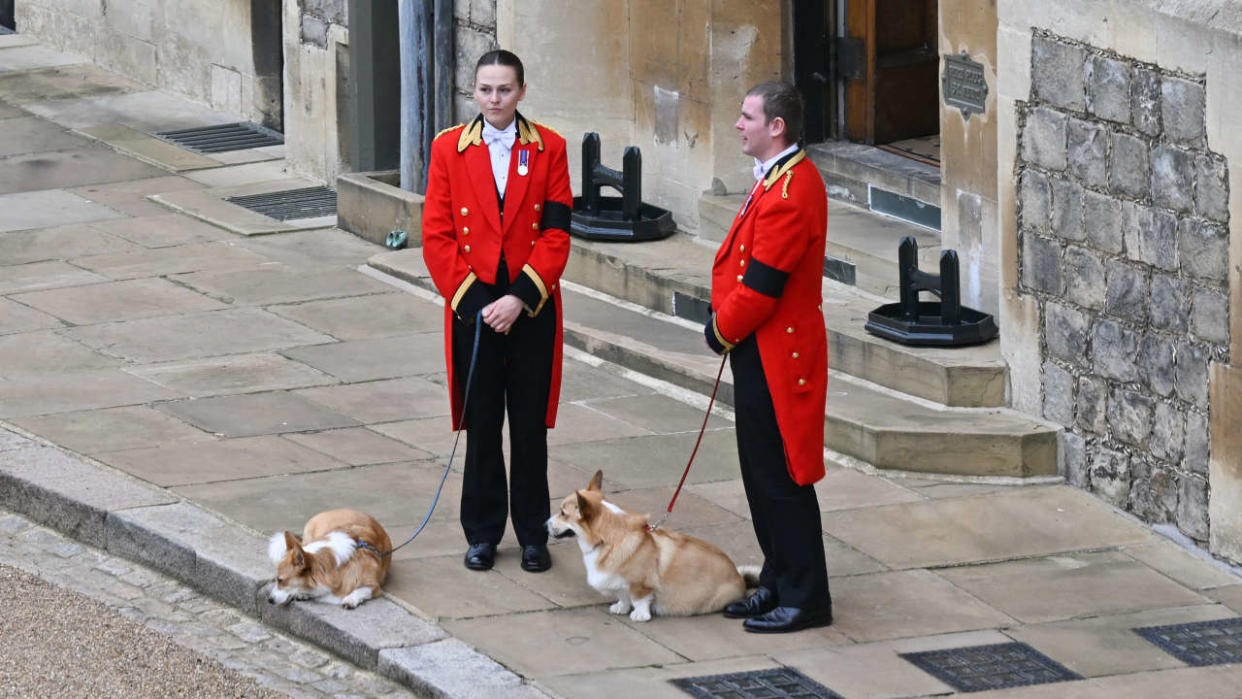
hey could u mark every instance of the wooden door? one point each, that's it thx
(891, 90)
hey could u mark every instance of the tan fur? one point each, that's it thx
(302, 574)
(680, 574)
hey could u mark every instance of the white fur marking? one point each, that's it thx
(276, 548)
(642, 609)
(357, 597)
(613, 508)
(339, 543)
(601, 580)
(622, 605)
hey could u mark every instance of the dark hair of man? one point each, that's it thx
(780, 99)
(501, 57)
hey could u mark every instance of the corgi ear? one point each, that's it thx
(596, 481)
(584, 506)
(292, 544)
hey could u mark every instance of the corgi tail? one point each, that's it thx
(750, 574)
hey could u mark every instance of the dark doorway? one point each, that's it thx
(891, 93)
(814, 29)
(267, 46)
(6, 15)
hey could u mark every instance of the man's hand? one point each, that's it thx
(501, 314)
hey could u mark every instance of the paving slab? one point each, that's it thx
(656, 413)
(378, 358)
(168, 261)
(144, 110)
(17, 58)
(279, 284)
(383, 401)
(224, 460)
(579, 424)
(644, 462)
(847, 489)
(8, 111)
(47, 351)
(650, 682)
(561, 642)
(712, 637)
(1229, 595)
(1195, 570)
(1221, 681)
(246, 373)
(130, 198)
(58, 243)
(443, 588)
(62, 82)
(242, 175)
(254, 414)
(738, 541)
(32, 135)
(148, 148)
(690, 511)
(52, 207)
(396, 494)
(69, 168)
(62, 492)
(8, 41)
(452, 668)
(1072, 585)
(565, 584)
(112, 429)
(876, 670)
(162, 230)
(194, 545)
(358, 446)
(582, 382)
(312, 248)
(907, 603)
(211, 205)
(431, 434)
(117, 301)
(1028, 521)
(195, 335)
(16, 318)
(1107, 645)
(69, 391)
(362, 317)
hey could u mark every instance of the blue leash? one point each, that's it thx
(474, 355)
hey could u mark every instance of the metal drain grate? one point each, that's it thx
(771, 684)
(311, 202)
(977, 668)
(1202, 643)
(223, 137)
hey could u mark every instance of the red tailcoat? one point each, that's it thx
(463, 236)
(767, 279)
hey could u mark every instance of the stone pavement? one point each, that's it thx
(171, 391)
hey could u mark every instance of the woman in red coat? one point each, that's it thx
(495, 239)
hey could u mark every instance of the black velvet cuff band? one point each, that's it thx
(768, 281)
(555, 215)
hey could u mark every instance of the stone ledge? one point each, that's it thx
(451, 668)
(370, 205)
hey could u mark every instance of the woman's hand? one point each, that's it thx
(501, 314)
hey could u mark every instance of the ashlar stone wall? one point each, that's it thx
(1123, 241)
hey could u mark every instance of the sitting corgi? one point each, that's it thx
(658, 572)
(340, 558)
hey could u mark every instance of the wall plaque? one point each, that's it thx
(963, 84)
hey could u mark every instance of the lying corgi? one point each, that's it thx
(337, 560)
(651, 572)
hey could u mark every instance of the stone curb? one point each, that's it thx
(158, 529)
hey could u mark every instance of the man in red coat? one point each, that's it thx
(767, 315)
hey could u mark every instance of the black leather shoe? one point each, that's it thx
(481, 556)
(761, 601)
(535, 559)
(786, 619)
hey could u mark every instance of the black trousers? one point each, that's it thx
(513, 371)
(785, 515)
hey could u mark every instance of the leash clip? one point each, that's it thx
(657, 524)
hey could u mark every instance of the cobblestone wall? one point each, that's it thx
(1124, 241)
(475, 25)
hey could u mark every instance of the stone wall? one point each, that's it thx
(205, 51)
(1123, 240)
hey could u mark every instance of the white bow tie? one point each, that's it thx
(492, 136)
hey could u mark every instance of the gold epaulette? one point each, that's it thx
(472, 135)
(527, 133)
(444, 131)
(781, 171)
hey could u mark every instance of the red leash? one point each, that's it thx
(706, 416)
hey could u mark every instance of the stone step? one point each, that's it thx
(851, 169)
(885, 428)
(862, 246)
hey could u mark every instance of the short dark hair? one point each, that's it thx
(501, 57)
(781, 99)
